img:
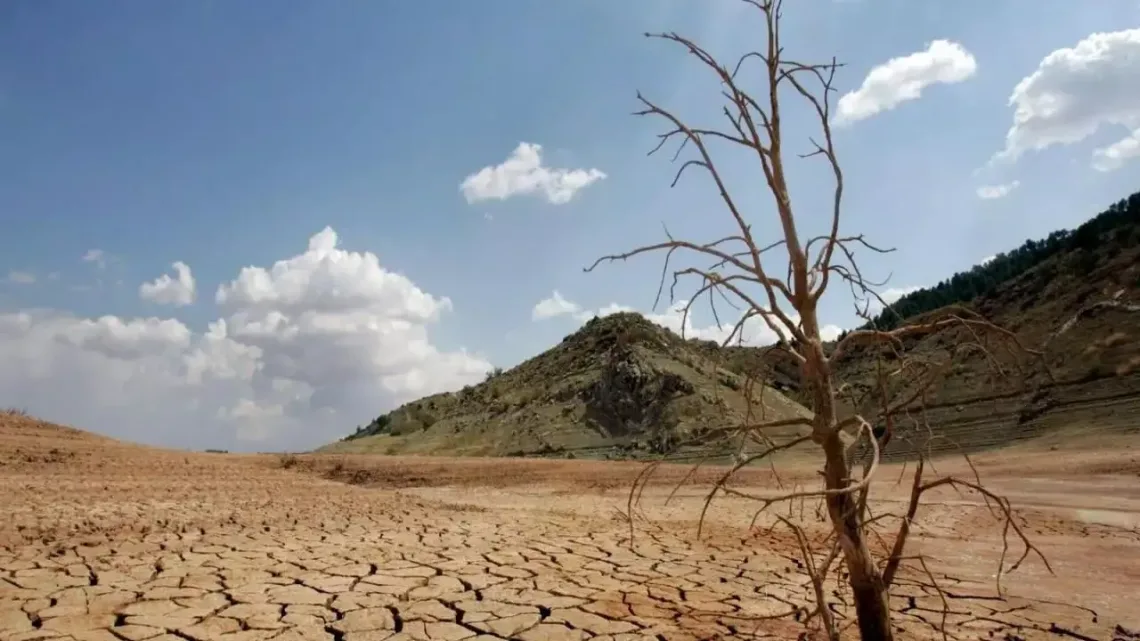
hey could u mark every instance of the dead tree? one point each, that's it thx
(786, 301)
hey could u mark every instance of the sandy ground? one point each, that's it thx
(101, 541)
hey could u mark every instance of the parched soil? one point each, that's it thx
(104, 541)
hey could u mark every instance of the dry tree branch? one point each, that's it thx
(817, 575)
(719, 485)
(1113, 303)
(904, 528)
(1009, 522)
(946, 317)
(850, 488)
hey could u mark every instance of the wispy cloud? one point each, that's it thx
(904, 78)
(557, 305)
(993, 192)
(96, 256)
(523, 173)
(21, 277)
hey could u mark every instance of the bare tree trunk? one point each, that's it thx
(872, 607)
(872, 601)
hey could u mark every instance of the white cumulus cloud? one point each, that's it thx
(1074, 92)
(307, 348)
(523, 173)
(554, 306)
(892, 294)
(114, 337)
(164, 290)
(343, 327)
(888, 296)
(1114, 156)
(904, 78)
(993, 192)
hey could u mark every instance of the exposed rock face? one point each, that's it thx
(631, 396)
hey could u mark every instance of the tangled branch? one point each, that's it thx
(736, 269)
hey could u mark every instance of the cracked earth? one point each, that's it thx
(102, 541)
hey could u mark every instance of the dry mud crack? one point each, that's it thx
(438, 578)
(131, 545)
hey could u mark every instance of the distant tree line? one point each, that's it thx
(1118, 226)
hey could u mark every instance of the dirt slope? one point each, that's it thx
(1074, 296)
(619, 386)
(27, 443)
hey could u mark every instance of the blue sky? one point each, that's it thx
(225, 135)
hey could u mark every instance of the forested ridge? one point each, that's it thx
(1116, 227)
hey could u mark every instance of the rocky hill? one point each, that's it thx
(624, 387)
(620, 386)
